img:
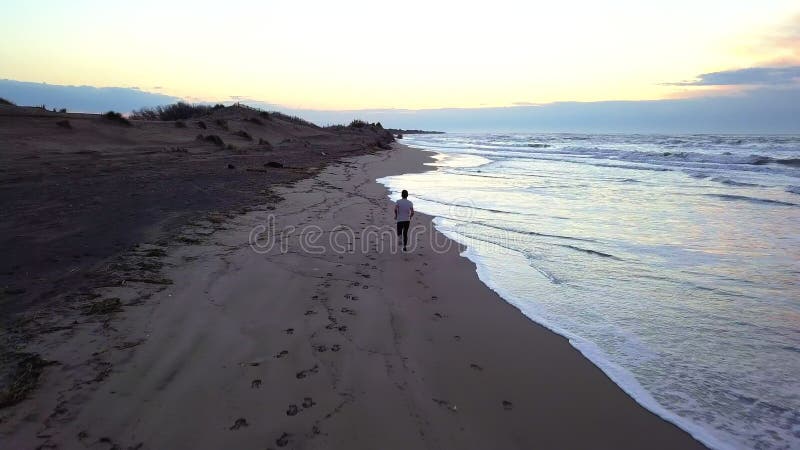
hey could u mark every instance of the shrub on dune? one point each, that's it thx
(213, 138)
(117, 118)
(6, 102)
(176, 111)
(244, 134)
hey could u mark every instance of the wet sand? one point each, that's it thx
(299, 346)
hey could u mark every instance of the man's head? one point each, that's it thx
(404, 193)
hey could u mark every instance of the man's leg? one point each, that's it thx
(405, 233)
(399, 231)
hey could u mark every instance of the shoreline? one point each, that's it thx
(640, 290)
(623, 378)
(408, 349)
(616, 373)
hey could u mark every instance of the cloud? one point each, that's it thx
(752, 76)
(81, 98)
(787, 38)
(523, 103)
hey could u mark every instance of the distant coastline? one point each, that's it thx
(401, 132)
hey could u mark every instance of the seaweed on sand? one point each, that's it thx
(21, 379)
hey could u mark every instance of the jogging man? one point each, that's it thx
(403, 212)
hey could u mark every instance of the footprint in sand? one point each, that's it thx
(289, 331)
(307, 372)
(255, 384)
(507, 405)
(282, 441)
(282, 353)
(310, 312)
(476, 367)
(321, 348)
(457, 337)
(241, 422)
(446, 404)
(438, 316)
(308, 402)
(336, 347)
(348, 311)
(292, 411)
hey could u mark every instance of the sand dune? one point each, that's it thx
(79, 188)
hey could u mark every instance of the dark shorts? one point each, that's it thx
(402, 229)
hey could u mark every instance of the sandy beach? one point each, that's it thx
(304, 344)
(80, 188)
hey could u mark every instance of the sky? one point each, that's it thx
(408, 56)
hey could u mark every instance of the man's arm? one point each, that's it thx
(412, 211)
(395, 212)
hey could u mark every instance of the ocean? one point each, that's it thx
(672, 262)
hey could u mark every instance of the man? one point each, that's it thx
(403, 212)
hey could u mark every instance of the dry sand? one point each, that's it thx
(76, 189)
(356, 349)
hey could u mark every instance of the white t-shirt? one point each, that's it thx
(404, 208)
